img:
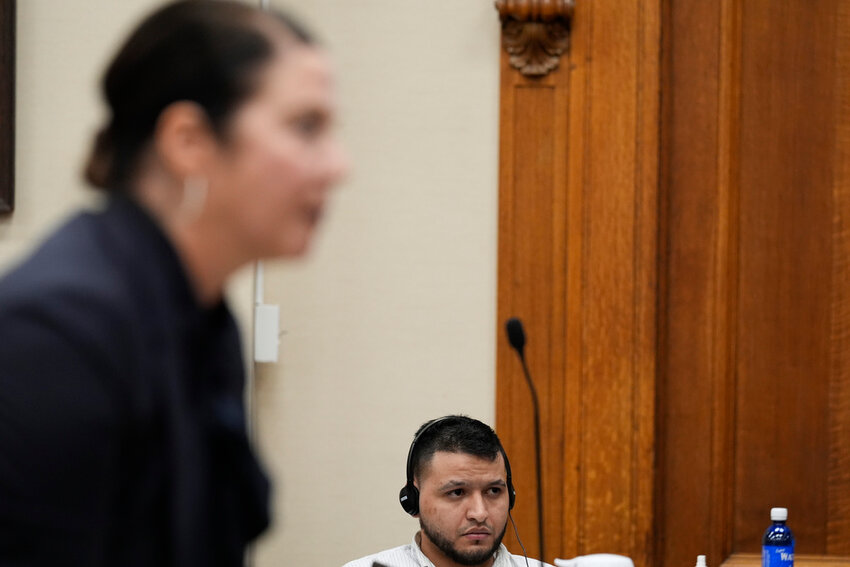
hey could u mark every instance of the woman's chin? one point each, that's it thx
(295, 248)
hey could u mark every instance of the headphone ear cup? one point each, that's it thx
(510, 483)
(408, 497)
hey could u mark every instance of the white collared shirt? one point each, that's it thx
(411, 555)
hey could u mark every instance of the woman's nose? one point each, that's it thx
(339, 162)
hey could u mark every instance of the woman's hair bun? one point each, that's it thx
(99, 166)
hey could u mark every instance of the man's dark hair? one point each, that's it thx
(453, 434)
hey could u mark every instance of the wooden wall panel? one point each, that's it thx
(579, 267)
(753, 393)
(784, 285)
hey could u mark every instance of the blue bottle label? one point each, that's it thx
(777, 556)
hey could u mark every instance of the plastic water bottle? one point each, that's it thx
(701, 561)
(777, 548)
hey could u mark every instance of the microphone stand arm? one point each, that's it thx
(537, 452)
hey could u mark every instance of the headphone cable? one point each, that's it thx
(516, 532)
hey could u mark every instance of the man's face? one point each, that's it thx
(463, 508)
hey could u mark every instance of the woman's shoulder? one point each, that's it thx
(70, 266)
(68, 291)
(68, 320)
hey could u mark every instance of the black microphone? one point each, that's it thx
(516, 336)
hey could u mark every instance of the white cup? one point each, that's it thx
(596, 560)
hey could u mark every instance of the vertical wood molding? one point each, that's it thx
(838, 523)
(725, 279)
(578, 263)
(699, 281)
(647, 141)
(786, 222)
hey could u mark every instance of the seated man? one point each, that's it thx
(459, 486)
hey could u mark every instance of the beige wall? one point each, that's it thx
(391, 320)
(59, 60)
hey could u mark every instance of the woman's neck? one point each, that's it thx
(207, 254)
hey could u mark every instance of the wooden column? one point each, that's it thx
(577, 263)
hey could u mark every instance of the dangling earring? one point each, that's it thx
(194, 197)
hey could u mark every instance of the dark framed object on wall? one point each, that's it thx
(7, 106)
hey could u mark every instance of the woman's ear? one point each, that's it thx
(183, 139)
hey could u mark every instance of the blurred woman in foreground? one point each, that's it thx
(122, 428)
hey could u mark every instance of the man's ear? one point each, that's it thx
(183, 138)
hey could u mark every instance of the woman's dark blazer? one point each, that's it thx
(122, 430)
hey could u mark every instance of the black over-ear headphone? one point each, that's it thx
(408, 497)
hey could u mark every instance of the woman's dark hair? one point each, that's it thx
(204, 51)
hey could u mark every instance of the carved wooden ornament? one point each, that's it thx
(535, 33)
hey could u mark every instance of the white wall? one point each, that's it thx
(392, 320)
(59, 61)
